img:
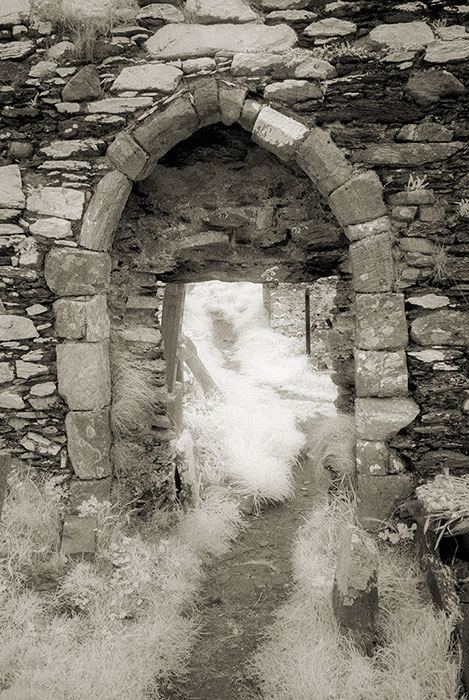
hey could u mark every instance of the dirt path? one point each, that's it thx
(243, 590)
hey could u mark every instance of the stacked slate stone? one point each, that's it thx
(358, 95)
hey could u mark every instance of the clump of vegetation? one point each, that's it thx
(86, 20)
(440, 264)
(332, 444)
(110, 629)
(135, 396)
(416, 183)
(463, 207)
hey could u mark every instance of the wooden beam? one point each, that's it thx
(188, 354)
(171, 326)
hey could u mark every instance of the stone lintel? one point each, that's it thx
(323, 161)
(373, 264)
(104, 211)
(89, 443)
(379, 419)
(380, 373)
(71, 272)
(83, 374)
(166, 129)
(380, 321)
(278, 134)
(359, 200)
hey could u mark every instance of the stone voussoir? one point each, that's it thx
(278, 134)
(128, 157)
(104, 211)
(167, 128)
(231, 100)
(323, 161)
(358, 200)
(205, 92)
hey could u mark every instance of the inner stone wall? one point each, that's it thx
(361, 96)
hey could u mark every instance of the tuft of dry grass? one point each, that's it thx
(331, 445)
(134, 396)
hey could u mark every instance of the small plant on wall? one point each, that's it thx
(445, 504)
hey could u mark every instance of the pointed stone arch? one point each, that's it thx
(383, 406)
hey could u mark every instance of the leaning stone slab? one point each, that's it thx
(152, 76)
(323, 161)
(192, 40)
(360, 199)
(216, 11)
(82, 317)
(83, 490)
(373, 264)
(444, 327)
(104, 211)
(70, 272)
(380, 373)
(11, 192)
(231, 101)
(382, 419)
(278, 134)
(57, 201)
(13, 327)
(369, 228)
(378, 497)
(128, 157)
(79, 536)
(205, 92)
(406, 153)
(83, 375)
(163, 131)
(89, 443)
(355, 590)
(380, 322)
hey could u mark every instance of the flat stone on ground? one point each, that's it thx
(215, 11)
(152, 76)
(11, 193)
(190, 41)
(15, 50)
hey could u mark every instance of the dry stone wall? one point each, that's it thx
(368, 99)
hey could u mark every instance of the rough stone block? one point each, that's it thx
(89, 443)
(181, 41)
(382, 419)
(11, 192)
(51, 227)
(323, 161)
(205, 91)
(406, 154)
(84, 376)
(119, 105)
(379, 496)
(380, 321)
(277, 133)
(128, 157)
(215, 11)
(104, 211)
(249, 114)
(373, 264)
(355, 591)
(7, 372)
(413, 197)
(360, 199)
(231, 100)
(370, 228)
(166, 129)
(252, 64)
(291, 91)
(8, 399)
(443, 327)
(372, 458)
(150, 76)
(57, 201)
(380, 373)
(79, 536)
(426, 131)
(84, 85)
(14, 327)
(83, 317)
(81, 490)
(71, 272)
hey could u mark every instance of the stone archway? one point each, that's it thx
(80, 278)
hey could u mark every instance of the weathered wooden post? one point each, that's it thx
(171, 326)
